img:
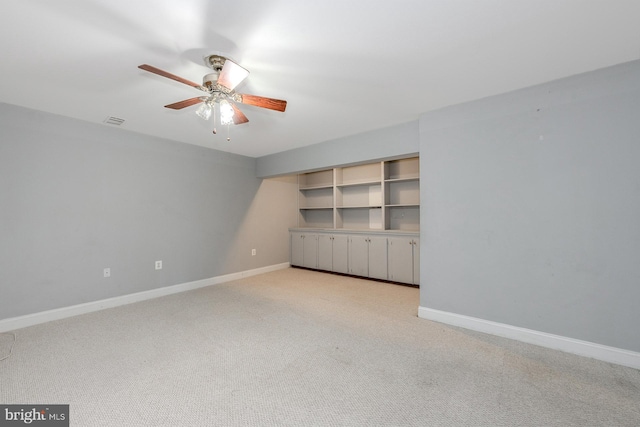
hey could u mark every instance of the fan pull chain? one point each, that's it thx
(228, 137)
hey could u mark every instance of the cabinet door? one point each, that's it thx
(325, 252)
(401, 259)
(378, 257)
(359, 255)
(310, 251)
(416, 261)
(340, 254)
(297, 249)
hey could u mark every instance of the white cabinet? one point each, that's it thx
(416, 261)
(304, 250)
(310, 253)
(404, 259)
(378, 257)
(359, 255)
(297, 249)
(368, 256)
(383, 255)
(325, 252)
(340, 253)
(333, 253)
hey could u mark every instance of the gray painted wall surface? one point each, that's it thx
(530, 210)
(395, 141)
(77, 197)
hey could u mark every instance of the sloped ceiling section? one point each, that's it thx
(345, 67)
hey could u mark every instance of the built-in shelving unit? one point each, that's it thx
(374, 196)
(402, 194)
(315, 199)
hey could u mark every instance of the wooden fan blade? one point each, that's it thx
(238, 116)
(231, 74)
(163, 73)
(261, 101)
(186, 103)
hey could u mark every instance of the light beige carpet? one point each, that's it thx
(302, 348)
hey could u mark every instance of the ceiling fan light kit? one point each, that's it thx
(220, 88)
(226, 113)
(204, 111)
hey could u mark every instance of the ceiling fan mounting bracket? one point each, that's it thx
(215, 62)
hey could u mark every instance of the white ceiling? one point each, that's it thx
(345, 67)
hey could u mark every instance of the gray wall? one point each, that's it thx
(530, 208)
(77, 197)
(395, 141)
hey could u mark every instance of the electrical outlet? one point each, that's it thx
(106, 272)
(253, 252)
(158, 265)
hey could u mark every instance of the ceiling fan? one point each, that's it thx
(219, 87)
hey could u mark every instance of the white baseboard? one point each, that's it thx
(556, 342)
(13, 323)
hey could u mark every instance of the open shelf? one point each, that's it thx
(402, 218)
(402, 192)
(364, 218)
(359, 195)
(373, 196)
(359, 184)
(316, 198)
(316, 180)
(402, 169)
(316, 218)
(359, 175)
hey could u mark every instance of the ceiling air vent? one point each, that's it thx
(114, 121)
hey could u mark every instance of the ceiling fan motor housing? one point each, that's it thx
(210, 80)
